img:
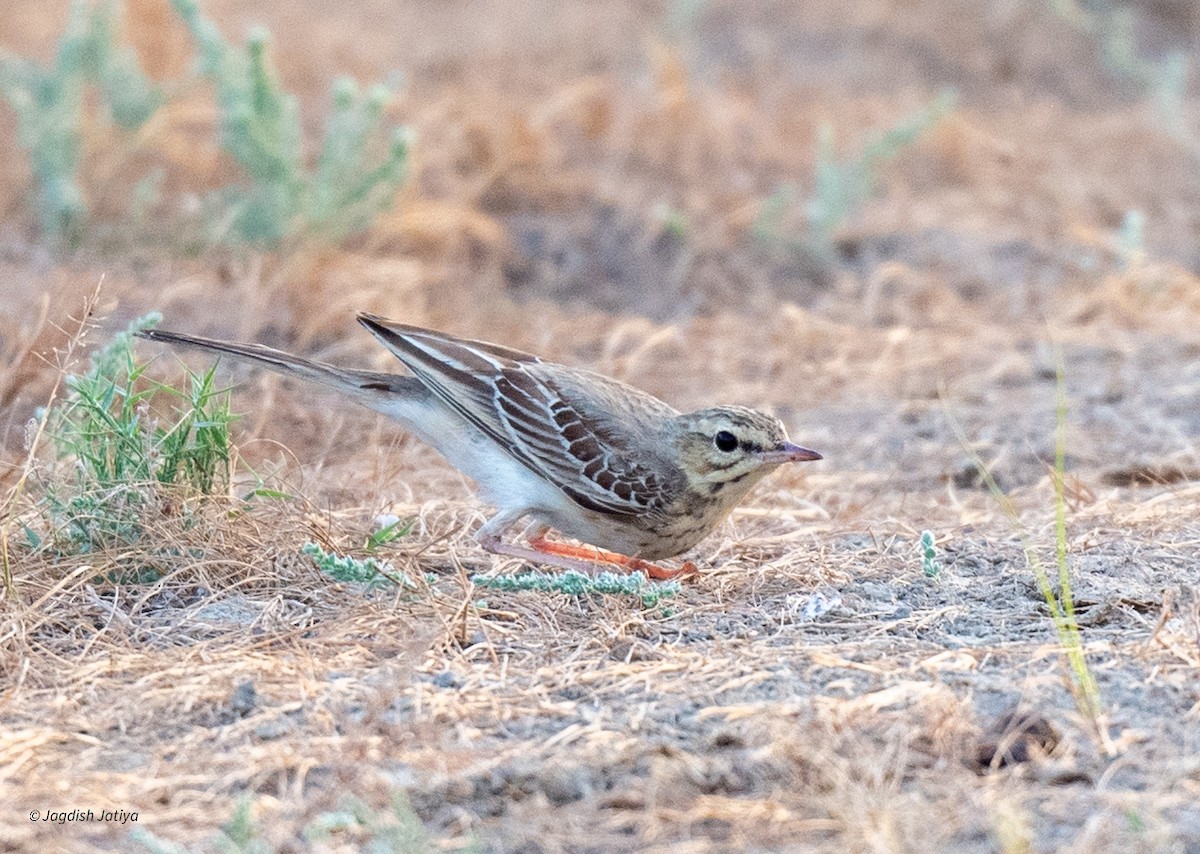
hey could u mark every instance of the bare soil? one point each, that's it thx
(812, 689)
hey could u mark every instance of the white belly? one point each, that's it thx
(502, 480)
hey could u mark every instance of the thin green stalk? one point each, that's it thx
(1061, 603)
(1085, 681)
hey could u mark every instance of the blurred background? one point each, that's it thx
(778, 203)
(896, 224)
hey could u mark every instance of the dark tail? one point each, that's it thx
(371, 388)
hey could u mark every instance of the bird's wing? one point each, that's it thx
(540, 414)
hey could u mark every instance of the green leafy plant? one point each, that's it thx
(841, 186)
(284, 200)
(121, 455)
(929, 561)
(49, 103)
(358, 169)
(345, 568)
(369, 570)
(572, 583)
(397, 828)
(239, 835)
(392, 528)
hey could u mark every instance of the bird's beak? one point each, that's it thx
(788, 453)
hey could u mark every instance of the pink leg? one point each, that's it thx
(579, 558)
(595, 555)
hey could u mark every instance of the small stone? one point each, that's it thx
(244, 699)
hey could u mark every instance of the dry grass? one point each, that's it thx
(812, 689)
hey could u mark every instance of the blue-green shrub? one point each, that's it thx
(49, 106)
(358, 169)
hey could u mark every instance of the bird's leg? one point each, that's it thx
(489, 537)
(538, 556)
(594, 555)
(579, 558)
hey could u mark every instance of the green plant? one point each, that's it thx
(121, 455)
(357, 170)
(356, 570)
(284, 200)
(573, 583)
(239, 835)
(398, 829)
(392, 528)
(1134, 820)
(842, 186)
(1164, 81)
(1059, 602)
(929, 561)
(49, 106)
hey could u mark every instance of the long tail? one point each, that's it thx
(379, 391)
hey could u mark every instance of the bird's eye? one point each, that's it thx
(725, 441)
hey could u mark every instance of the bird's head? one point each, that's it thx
(733, 445)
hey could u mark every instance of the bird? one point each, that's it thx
(629, 477)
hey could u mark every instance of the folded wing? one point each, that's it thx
(579, 440)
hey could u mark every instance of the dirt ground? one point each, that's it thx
(586, 184)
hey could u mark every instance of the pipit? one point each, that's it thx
(589, 456)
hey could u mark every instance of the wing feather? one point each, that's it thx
(539, 413)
